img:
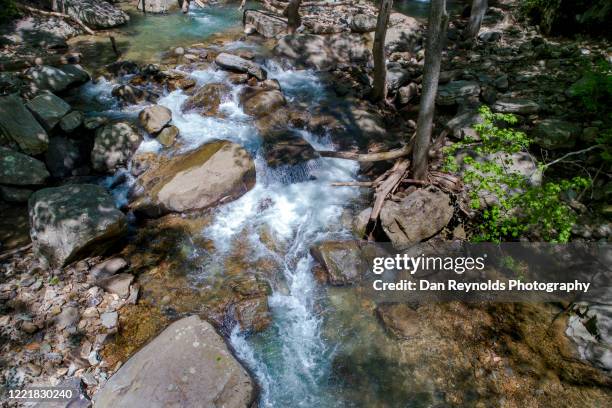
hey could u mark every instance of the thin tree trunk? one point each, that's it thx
(436, 33)
(379, 87)
(479, 8)
(185, 6)
(293, 15)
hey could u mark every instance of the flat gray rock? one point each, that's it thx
(238, 64)
(21, 170)
(187, 365)
(48, 109)
(19, 125)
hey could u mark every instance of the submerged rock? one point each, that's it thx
(237, 64)
(132, 95)
(21, 170)
(188, 364)
(19, 126)
(48, 109)
(70, 222)
(263, 102)
(215, 172)
(113, 146)
(419, 216)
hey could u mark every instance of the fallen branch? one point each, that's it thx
(55, 14)
(8, 254)
(565, 156)
(395, 176)
(369, 157)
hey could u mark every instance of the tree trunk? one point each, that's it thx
(293, 15)
(185, 6)
(379, 88)
(436, 34)
(479, 8)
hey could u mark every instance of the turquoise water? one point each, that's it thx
(420, 8)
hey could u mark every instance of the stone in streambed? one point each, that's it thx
(188, 364)
(263, 102)
(107, 268)
(207, 99)
(417, 217)
(118, 284)
(154, 118)
(343, 261)
(401, 321)
(456, 91)
(71, 121)
(113, 146)
(70, 222)
(517, 106)
(17, 124)
(168, 135)
(216, 172)
(48, 109)
(556, 134)
(20, 170)
(131, 95)
(96, 14)
(286, 147)
(63, 156)
(46, 78)
(237, 64)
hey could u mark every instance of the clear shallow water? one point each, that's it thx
(420, 8)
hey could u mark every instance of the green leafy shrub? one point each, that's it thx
(594, 89)
(520, 208)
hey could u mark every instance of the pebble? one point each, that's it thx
(29, 327)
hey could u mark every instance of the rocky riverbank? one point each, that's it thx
(117, 205)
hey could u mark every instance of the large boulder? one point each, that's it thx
(404, 33)
(113, 146)
(518, 106)
(418, 216)
(20, 170)
(456, 92)
(556, 134)
(48, 109)
(264, 23)
(70, 222)
(96, 14)
(263, 102)
(46, 78)
(462, 125)
(215, 172)
(19, 127)
(325, 52)
(207, 99)
(154, 118)
(187, 365)
(342, 261)
(235, 63)
(363, 23)
(158, 6)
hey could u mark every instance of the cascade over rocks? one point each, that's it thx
(216, 172)
(188, 364)
(207, 99)
(418, 216)
(286, 147)
(73, 221)
(19, 128)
